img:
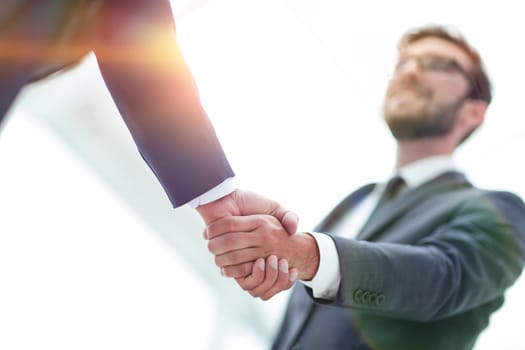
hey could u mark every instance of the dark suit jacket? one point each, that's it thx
(427, 272)
(143, 68)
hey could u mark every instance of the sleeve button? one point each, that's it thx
(357, 296)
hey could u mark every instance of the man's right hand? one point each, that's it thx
(238, 241)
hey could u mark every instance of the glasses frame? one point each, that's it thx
(446, 65)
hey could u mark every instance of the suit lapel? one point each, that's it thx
(343, 207)
(297, 313)
(301, 306)
(397, 207)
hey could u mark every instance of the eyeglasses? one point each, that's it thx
(434, 63)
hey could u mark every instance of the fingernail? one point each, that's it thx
(273, 262)
(293, 275)
(283, 266)
(205, 233)
(260, 264)
(223, 272)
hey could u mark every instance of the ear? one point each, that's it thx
(472, 115)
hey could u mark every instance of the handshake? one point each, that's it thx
(254, 240)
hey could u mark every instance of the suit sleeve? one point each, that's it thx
(465, 262)
(156, 95)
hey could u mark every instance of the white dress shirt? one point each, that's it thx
(224, 188)
(326, 281)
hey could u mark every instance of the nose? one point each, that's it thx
(409, 65)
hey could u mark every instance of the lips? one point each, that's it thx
(411, 89)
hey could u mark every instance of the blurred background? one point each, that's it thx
(92, 256)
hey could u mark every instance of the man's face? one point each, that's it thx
(427, 89)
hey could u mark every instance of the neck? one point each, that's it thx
(409, 151)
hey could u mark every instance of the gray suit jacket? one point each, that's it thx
(154, 92)
(426, 272)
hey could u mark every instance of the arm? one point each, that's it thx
(154, 91)
(467, 261)
(156, 95)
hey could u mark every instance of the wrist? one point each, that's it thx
(307, 262)
(224, 206)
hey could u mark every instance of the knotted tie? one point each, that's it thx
(393, 187)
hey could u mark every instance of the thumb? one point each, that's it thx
(288, 219)
(251, 203)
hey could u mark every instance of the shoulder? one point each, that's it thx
(502, 200)
(501, 211)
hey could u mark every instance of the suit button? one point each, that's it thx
(357, 296)
(380, 299)
(372, 299)
(365, 297)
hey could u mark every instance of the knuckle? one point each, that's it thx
(265, 221)
(253, 286)
(229, 225)
(259, 221)
(267, 237)
(230, 271)
(211, 246)
(210, 230)
(244, 284)
(234, 256)
(218, 261)
(228, 242)
(246, 268)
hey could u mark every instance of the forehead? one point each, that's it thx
(436, 46)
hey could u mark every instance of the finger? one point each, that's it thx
(290, 221)
(252, 203)
(255, 278)
(238, 271)
(237, 257)
(233, 224)
(285, 281)
(233, 241)
(270, 276)
(280, 282)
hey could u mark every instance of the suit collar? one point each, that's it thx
(342, 208)
(419, 172)
(402, 204)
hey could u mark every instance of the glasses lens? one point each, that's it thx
(439, 64)
(434, 63)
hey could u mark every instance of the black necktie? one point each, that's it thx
(392, 188)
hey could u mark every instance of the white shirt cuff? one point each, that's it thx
(224, 188)
(326, 281)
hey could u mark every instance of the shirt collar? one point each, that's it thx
(426, 169)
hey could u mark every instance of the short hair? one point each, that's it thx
(481, 89)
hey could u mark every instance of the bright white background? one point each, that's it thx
(90, 253)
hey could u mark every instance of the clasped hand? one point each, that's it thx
(260, 254)
(254, 240)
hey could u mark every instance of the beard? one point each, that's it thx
(411, 113)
